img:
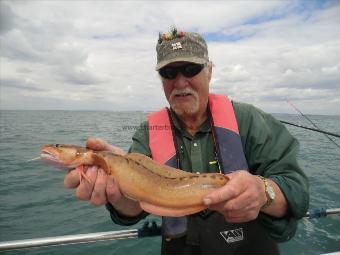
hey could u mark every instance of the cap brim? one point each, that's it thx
(195, 60)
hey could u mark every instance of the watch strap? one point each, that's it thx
(267, 186)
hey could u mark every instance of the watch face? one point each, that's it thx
(271, 192)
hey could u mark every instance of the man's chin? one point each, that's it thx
(183, 111)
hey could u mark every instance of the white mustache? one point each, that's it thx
(178, 92)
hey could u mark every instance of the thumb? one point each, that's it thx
(222, 194)
(233, 188)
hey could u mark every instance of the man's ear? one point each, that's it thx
(209, 71)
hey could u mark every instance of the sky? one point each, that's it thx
(100, 55)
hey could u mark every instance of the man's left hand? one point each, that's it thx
(241, 199)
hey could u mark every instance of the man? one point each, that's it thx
(267, 192)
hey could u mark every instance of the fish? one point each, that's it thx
(160, 190)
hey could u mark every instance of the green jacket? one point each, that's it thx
(270, 150)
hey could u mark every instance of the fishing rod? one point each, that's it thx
(310, 121)
(147, 230)
(309, 128)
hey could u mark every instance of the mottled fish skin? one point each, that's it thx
(160, 189)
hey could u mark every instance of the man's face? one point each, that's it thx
(188, 96)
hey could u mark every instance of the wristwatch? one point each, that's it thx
(269, 190)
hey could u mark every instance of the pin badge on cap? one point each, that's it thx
(176, 46)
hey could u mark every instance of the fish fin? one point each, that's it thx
(100, 161)
(171, 212)
(82, 174)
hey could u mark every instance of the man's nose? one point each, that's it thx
(181, 81)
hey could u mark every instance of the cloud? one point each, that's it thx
(21, 85)
(7, 18)
(292, 58)
(101, 55)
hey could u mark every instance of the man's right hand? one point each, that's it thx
(100, 188)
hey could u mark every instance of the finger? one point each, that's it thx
(240, 209)
(96, 144)
(71, 179)
(244, 201)
(112, 190)
(99, 144)
(218, 207)
(224, 193)
(98, 196)
(236, 185)
(85, 188)
(250, 197)
(245, 210)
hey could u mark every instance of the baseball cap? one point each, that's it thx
(176, 46)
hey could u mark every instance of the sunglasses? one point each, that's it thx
(188, 70)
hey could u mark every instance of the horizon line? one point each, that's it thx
(144, 111)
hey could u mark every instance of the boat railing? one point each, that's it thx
(147, 230)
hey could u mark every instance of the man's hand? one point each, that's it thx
(98, 144)
(98, 187)
(242, 198)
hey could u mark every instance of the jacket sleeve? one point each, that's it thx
(140, 141)
(271, 151)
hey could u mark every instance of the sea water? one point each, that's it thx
(34, 203)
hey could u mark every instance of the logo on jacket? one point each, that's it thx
(233, 235)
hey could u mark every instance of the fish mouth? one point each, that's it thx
(53, 158)
(55, 161)
(46, 155)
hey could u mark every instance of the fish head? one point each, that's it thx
(63, 155)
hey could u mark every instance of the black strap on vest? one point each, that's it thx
(178, 161)
(217, 152)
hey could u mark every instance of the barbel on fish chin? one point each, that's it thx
(160, 189)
